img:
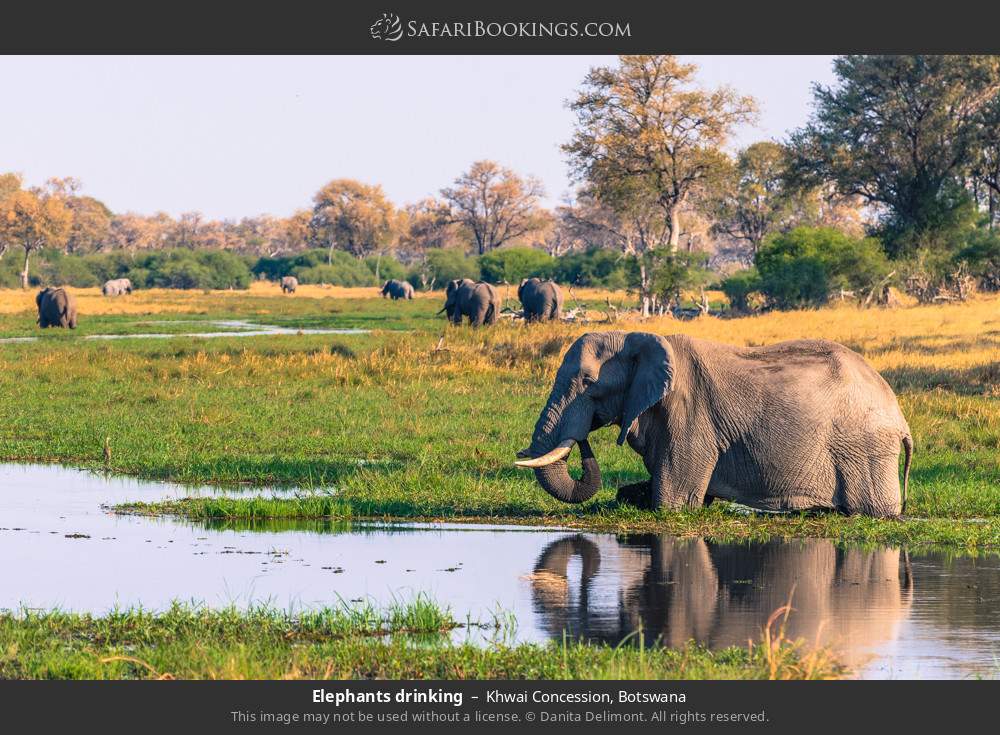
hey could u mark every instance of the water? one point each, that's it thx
(888, 613)
(230, 328)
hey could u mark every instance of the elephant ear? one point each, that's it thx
(652, 376)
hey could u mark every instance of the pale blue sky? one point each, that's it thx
(238, 136)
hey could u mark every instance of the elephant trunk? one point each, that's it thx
(557, 482)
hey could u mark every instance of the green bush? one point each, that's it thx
(66, 270)
(320, 265)
(385, 267)
(672, 272)
(982, 254)
(442, 265)
(739, 286)
(803, 266)
(512, 264)
(596, 267)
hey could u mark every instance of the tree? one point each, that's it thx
(629, 219)
(646, 124)
(353, 216)
(428, 224)
(90, 225)
(32, 219)
(986, 169)
(899, 131)
(754, 200)
(132, 232)
(495, 204)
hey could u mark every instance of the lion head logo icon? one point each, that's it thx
(387, 28)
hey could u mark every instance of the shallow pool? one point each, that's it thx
(888, 612)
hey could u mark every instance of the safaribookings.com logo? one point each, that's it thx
(390, 28)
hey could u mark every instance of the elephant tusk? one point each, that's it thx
(560, 452)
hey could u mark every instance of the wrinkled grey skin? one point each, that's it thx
(450, 296)
(795, 426)
(289, 284)
(117, 287)
(678, 590)
(478, 301)
(541, 300)
(397, 289)
(56, 308)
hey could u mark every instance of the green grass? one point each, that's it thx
(398, 428)
(404, 641)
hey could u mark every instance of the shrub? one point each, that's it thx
(982, 254)
(672, 272)
(512, 264)
(385, 267)
(64, 270)
(596, 267)
(803, 266)
(442, 265)
(739, 286)
(342, 270)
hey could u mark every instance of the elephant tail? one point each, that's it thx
(491, 314)
(908, 449)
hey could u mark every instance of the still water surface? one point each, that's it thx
(889, 613)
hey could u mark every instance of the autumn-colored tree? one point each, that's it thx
(428, 224)
(90, 226)
(132, 232)
(646, 123)
(495, 204)
(353, 216)
(9, 183)
(32, 219)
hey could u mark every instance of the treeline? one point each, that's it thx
(216, 269)
(895, 180)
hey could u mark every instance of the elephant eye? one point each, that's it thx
(588, 381)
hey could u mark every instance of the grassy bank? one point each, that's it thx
(401, 428)
(407, 641)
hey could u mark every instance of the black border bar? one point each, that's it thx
(667, 26)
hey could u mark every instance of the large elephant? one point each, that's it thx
(795, 426)
(289, 284)
(117, 287)
(478, 301)
(397, 289)
(541, 300)
(56, 308)
(718, 594)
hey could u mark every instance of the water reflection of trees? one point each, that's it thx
(677, 590)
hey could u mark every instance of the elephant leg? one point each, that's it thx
(637, 494)
(681, 487)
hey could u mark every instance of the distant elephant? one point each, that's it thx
(541, 300)
(397, 290)
(289, 284)
(478, 301)
(117, 287)
(718, 594)
(795, 426)
(56, 308)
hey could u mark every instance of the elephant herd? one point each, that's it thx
(803, 425)
(480, 303)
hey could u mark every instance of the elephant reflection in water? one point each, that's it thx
(676, 590)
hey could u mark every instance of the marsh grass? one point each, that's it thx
(388, 425)
(404, 641)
